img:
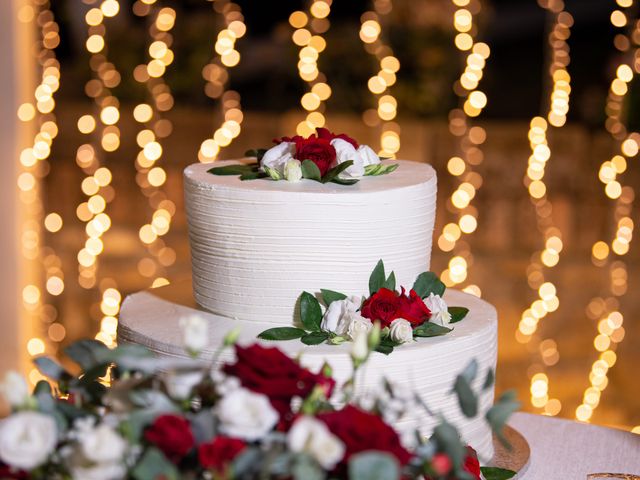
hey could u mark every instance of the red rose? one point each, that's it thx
(471, 463)
(324, 133)
(362, 431)
(318, 150)
(413, 309)
(219, 453)
(441, 464)
(384, 305)
(272, 373)
(172, 435)
(293, 139)
(8, 473)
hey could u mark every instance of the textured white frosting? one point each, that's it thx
(256, 245)
(428, 366)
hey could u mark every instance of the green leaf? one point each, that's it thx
(345, 181)
(51, 369)
(310, 312)
(256, 152)
(495, 473)
(238, 169)
(42, 387)
(448, 438)
(429, 329)
(272, 172)
(310, 170)
(386, 346)
(466, 398)
(373, 466)
(335, 171)
(470, 371)
(329, 296)
(379, 169)
(457, 313)
(499, 414)
(253, 176)
(377, 278)
(154, 465)
(305, 468)
(390, 282)
(427, 283)
(87, 353)
(282, 333)
(488, 380)
(315, 338)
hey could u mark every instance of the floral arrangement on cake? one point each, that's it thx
(260, 416)
(323, 157)
(402, 316)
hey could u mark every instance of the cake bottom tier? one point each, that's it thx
(427, 367)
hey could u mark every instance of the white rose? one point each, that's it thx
(357, 324)
(277, 157)
(335, 319)
(400, 331)
(345, 152)
(195, 334)
(246, 415)
(439, 311)
(293, 170)
(14, 389)
(180, 384)
(100, 471)
(27, 439)
(311, 436)
(368, 156)
(102, 444)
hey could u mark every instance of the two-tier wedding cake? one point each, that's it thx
(305, 220)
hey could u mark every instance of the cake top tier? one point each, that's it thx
(408, 174)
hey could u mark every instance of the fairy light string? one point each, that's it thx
(34, 166)
(470, 137)
(308, 30)
(103, 134)
(542, 262)
(151, 176)
(216, 74)
(379, 84)
(604, 310)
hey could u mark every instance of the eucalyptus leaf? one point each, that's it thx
(244, 464)
(457, 313)
(314, 338)
(499, 414)
(489, 380)
(466, 397)
(345, 181)
(282, 333)
(427, 283)
(390, 282)
(373, 466)
(310, 312)
(87, 353)
(377, 278)
(50, 368)
(42, 387)
(154, 465)
(310, 170)
(329, 296)
(449, 441)
(495, 473)
(470, 371)
(336, 171)
(430, 329)
(203, 426)
(305, 468)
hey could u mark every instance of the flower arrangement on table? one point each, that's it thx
(262, 416)
(323, 157)
(403, 317)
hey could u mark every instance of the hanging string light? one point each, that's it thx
(604, 310)
(216, 74)
(34, 166)
(104, 137)
(150, 176)
(547, 300)
(380, 83)
(308, 36)
(470, 138)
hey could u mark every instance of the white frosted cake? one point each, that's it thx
(256, 245)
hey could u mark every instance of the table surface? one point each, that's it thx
(563, 449)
